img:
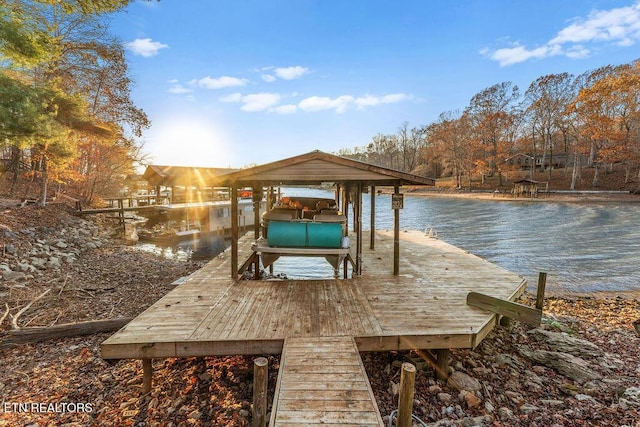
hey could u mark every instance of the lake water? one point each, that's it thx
(586, 247)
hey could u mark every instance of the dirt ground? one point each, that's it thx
(65, 382)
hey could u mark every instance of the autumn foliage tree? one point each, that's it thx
(588, 121)
(69, 85)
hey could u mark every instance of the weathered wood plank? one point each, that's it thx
(513, 310)
(323, 396)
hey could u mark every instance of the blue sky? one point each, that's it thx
(232, 83)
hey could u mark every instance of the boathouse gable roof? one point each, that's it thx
(184, 175)
(317, 167)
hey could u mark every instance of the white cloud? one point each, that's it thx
(616, 25)
(179, 89)
(232, 97)
(254, 102)
(259, 101)
(341, 103)
(291, 73)
(319, 103)
(284, 73)
(145, 47)
(620, 26)
(517, 53)
(372, 101)
(285, 109)
(219, 83)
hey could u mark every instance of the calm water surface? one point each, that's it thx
(586, 247)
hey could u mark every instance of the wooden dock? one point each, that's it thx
(422, 308)
(322, 381)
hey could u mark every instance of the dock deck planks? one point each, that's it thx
(425, 307)
(322, 381)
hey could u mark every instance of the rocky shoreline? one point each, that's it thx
(580, 368)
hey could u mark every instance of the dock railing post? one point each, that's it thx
(407, 391)
(260, 377)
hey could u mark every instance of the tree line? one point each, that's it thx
(589, 120)
(66, 116)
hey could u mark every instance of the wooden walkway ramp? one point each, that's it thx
(322, 381)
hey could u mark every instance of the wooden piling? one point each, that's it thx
(147, 374)
(260, 377)
(407, 391)
(542, 283)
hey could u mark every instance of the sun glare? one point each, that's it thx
(188, 142)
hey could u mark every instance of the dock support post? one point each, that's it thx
(407, 391)
(147, 374)
(233, 194)
(439, 362)
(260, 380)
(442, 356)
(396, 236)
(372, 227)
(542, 283)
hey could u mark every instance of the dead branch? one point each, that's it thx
(63, 284)
(27, 335)
(14, 319)
(6, 313)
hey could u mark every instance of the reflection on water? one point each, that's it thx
(584, 247)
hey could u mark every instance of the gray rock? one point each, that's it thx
(461, 381)
(509, 360)
(53, 262)
(527, 407)
(565, 343)
(14, 276)
(505, 413)
(38, 262)
(476, 421)
(90, 245)
(10, 249)
(552, 402)
(61, 244)
(583, 397)
(570, 366)
(4, 267)
(26, 268)
(445, 398)
(630, 398)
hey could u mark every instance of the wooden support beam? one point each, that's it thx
(513, 310)
(439, 362)
(407, 391)
(260, 382)
(147, 375)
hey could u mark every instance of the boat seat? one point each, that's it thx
(329, 218)
(282, 216)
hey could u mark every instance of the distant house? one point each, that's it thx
(555, 161)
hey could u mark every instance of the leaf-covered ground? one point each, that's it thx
(65, 382)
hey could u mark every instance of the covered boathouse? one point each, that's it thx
(408, 291)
